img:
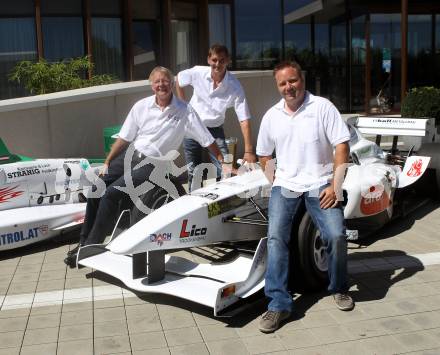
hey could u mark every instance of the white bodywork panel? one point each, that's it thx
(27, 225)
(414, 168)
(40, 198)
(200, 283)
(187, 222)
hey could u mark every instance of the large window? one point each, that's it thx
(358, 62)
(420, 50)
(183, 44)
(437, 50)
(385, 44)
(258, 33)
(298, 42)
(298, 47)
(63, 38)
(17, 43)
(107, 46)
(107, 37)
(337, 85)
(220, 25)
(145, 48)
(146, 37)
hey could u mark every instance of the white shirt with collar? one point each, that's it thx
(303, 142)
(211, 104)
(156, 132)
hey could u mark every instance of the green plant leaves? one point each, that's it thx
(42, 77)
(422, 102)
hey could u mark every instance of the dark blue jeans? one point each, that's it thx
(193, 153)
(282, 209)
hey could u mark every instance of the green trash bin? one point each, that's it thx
(109, 132)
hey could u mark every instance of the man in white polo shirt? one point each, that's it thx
(215, 90)
(310, 140)
(155, 126)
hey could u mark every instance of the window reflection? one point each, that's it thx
(183, 44)
(297, 42)
(298, 47)
(420, 50)
(358, 61)
(220, 25)
(107, 46)
(62, 38)
(145, 48)
(437, 50)
(385, 44)
(258, 33)
(17, 43)
(338, 69)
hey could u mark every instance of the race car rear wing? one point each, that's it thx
(392, 126)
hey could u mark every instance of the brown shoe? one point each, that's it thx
(270, 321)
(343, 301)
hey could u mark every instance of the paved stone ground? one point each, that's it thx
(47, 308)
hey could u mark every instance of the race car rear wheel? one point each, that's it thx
(155, 199)
(312, 256)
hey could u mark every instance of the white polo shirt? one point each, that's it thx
(303, 142)
(156, 132)
(211, 104)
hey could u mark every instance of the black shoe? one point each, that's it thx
(70, 261)
(74, 250)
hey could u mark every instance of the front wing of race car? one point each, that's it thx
(138, 256)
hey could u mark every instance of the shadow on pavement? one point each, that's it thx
(399, 225)
(388, 267)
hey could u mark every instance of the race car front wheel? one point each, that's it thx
(311, 256)
(154, 199)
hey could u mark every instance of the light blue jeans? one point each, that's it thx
(282, 209)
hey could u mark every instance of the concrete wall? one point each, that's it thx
(70, 123)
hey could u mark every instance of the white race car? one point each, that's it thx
(233, 210)
(39, 198)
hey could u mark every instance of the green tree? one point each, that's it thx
(422, 102)
(42, 77)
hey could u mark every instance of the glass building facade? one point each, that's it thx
(351, 50)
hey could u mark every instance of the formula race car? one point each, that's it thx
(234, 210)
(40, 198)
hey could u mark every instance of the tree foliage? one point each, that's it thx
(422, 102)
(43, 77)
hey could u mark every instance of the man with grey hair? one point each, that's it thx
(155, 126)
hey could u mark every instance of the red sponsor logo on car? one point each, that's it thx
(8, 193)
(374, 204)
(194, 231)
(416, 168)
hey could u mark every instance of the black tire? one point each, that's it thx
(309, 266)
(154, 199)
